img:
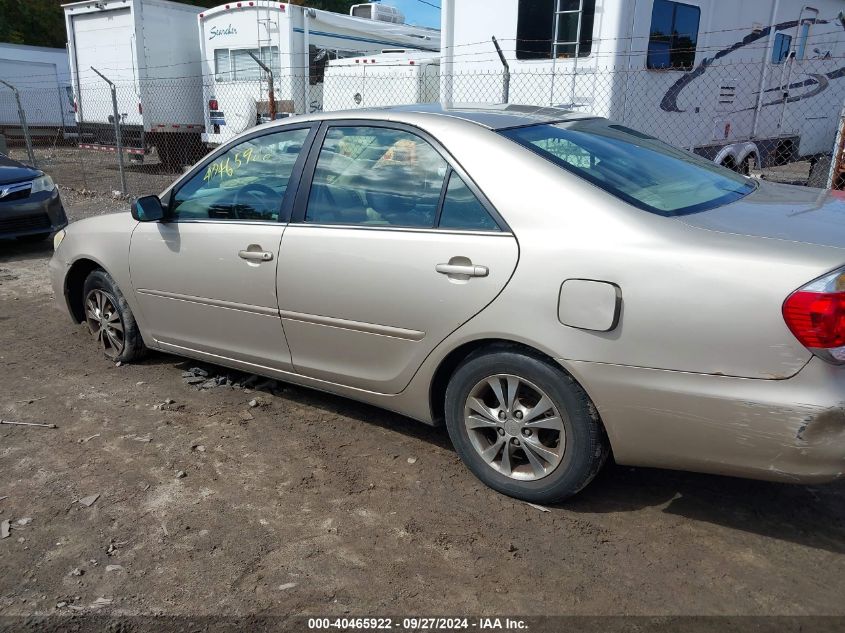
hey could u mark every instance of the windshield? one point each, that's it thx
(636, 168)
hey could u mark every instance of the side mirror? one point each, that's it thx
(148, 209)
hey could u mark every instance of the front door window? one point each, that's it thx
(246, 182)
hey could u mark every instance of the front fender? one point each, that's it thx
(101, 242)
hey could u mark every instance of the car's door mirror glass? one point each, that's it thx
(375, 176)
(148, 209)
(246, 182)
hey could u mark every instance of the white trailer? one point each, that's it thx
(761, 79)
(295, 43)
(393, 77)
(42, 77)
(148, 49)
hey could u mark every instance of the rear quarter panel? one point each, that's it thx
(692, 300)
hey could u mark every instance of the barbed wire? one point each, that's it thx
(547, 41)
(584, 66)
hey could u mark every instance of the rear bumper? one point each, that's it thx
(783, 430)
(38, 214)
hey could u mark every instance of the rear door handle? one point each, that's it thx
(256, 256)
(461, 269)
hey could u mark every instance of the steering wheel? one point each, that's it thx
(258, 196)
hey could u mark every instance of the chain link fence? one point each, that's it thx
(771, 124)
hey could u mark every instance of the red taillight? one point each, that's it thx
(75, 106)
(817, 319)
(212, 104)
(816, 316)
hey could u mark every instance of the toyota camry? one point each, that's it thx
(552, 286)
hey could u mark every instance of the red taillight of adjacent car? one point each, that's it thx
(816, 316)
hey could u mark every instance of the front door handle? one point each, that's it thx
(256, 256)
(468, 270)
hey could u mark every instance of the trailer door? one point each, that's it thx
(106, 41)
(39, 93)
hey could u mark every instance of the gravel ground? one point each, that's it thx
(311, 504)
(97, 171)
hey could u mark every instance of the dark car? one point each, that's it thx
(30, 206)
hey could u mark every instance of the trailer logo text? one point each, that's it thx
(216, 32)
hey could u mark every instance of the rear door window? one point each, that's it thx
(376, 176)
(462, 210)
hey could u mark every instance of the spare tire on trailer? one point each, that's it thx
(240, 111)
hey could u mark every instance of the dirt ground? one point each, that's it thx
(311, 504)
(98, 171)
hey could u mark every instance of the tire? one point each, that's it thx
(166, 155)
(106, 313)
(578, 439)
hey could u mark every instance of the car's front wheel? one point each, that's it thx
(523, 426)
(110, 320)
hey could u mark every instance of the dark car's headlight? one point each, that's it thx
(42, 183)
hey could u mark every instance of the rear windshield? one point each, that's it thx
(636, 168)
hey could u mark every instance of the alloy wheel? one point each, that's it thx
(515, 427)
(104, 322)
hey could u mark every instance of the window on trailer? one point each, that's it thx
(221, 65)
(673, 36)
(780, 51)
(320, 57)
(804, 34)
(237, 65)
(535, 28)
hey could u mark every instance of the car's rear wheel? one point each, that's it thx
(523, 426)
(110, 320)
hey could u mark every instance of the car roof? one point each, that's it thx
(496, 116)
(490, 116)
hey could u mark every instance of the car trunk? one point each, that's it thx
(783, 212)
